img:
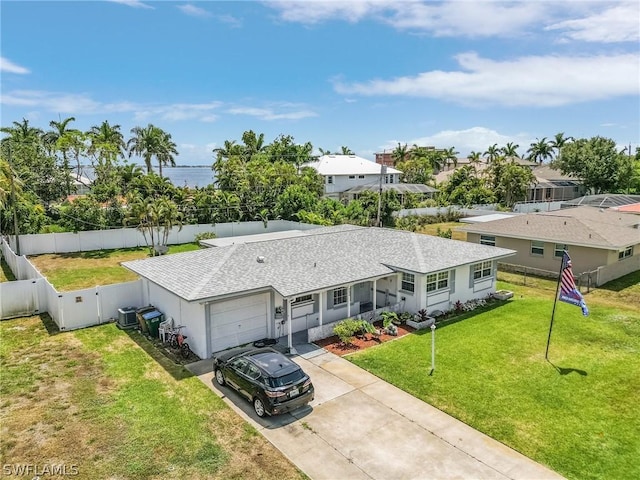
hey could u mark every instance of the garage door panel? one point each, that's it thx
(238, 321)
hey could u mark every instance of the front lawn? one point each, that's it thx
(578, 413)
(75, 271)
(95, 399)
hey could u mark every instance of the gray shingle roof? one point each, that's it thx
(572, 226)
(325, 258)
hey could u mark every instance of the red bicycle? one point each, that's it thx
(177, 340)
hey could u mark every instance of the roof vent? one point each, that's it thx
(260, 259)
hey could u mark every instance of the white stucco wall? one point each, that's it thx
(342, 183)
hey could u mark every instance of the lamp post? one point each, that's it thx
(433, 347)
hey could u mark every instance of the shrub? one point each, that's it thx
(346, 329)
(388, 318)
(204, 236)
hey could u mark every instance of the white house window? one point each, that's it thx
(627, 252)
(488, 240)
(360, 176)
(303, 299)
(537, 248)
(481, 270)
(408, 282)
(330, 179)
(339, 296)
(352, 177)
(437, 281)
(389, 178)
(559, 249)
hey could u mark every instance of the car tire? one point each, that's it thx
(220, 377)
(258, 406)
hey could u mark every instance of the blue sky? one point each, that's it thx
(367, 75)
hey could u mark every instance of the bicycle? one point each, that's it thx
(177, 340)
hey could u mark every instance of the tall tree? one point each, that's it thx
(492, 153)
(596, 161)
(559, 141)
(450, 156)
(540, 150)
(400, 154)
(510, 150)
(346, 151)
(149, 142)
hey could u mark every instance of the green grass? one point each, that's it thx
(6, 275)
(75, 271)
(432, 229)
(95, 399)
(578, 415)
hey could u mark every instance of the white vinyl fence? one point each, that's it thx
(130, 237)
(31, 293)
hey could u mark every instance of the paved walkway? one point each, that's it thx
(361, 427)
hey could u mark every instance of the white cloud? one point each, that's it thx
(469, 18)
(269, 113)
(616, 24)
(133, 3)
(82, 104)
(194, 11)
(542, 81)
(8, 66)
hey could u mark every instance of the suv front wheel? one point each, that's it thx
(258, 406)
(220, 377)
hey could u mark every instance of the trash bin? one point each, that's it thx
(153, 320)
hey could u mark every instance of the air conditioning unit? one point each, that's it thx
(127, 317)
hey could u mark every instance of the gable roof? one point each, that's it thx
(584, 226)
(324, 258)
(347, 165)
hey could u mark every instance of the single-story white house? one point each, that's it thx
(231, 295)
(343, 172)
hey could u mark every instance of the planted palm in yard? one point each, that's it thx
(576, 413)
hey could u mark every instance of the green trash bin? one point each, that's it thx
(153, 320)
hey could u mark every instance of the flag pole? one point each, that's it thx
(553, 313)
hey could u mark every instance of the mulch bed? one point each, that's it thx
(334, 345)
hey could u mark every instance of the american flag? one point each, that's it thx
(568, 291)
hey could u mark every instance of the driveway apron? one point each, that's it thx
(361, 427)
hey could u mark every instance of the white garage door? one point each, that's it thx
(239, 321)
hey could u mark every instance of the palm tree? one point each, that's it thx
(559, 141)
(167, 151)
(492, 153)
(21, 133)
(540, 150)
(150, 142)
(252, 144)
(106, 141)
(346, 151)
(325, 152)
(400, 154)
(449, 156)
(474, 159)
(510, 150)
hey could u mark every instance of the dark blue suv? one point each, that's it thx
(268, 379)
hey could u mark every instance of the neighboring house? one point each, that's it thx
(342, 172)
(422, 191)
(599, 240)
(235, 294)
(81, 184)
(551, 185)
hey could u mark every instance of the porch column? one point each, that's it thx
(289, 339)
(348, 301)
(320, 300)
(375, 293)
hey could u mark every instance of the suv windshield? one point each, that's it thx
(287, 379)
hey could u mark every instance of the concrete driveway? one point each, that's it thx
(361, 427)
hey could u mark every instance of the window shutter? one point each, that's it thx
(452, 281)
(495, 269)
(470, 276)
(329, 299)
